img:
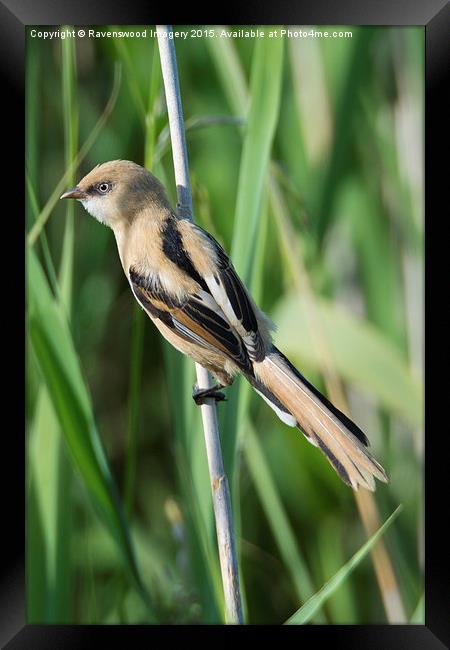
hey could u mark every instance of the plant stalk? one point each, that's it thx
(219, 482)
(365, 500)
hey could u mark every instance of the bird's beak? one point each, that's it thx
(74, 193)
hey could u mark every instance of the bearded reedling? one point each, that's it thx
(187, 285)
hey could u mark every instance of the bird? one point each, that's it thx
(186, 283)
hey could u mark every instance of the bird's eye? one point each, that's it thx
(103, 187)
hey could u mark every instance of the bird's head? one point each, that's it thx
(116, 191)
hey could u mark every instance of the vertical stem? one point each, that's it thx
(367, 507)
(387, 580)
(219, 481)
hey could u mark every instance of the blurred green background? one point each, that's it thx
(306, 164)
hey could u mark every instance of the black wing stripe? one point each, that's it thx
(232, 295)
(173, 248)
(143, 298)
(217, 326)
(189, 335)
(256, 349)
(234, 288)
(153, 288)
(228, 342)
(239, 301)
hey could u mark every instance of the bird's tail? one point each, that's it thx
(299, 403)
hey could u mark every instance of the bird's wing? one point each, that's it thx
(196, 318)
(226, 288)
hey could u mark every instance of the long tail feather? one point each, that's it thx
(297, 402)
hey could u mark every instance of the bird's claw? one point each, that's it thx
(200, 395)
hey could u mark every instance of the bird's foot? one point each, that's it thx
(199, 395)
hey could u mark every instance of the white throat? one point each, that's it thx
(95, 208)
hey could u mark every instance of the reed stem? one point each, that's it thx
(219, 482)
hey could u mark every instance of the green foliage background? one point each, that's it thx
(306, 164)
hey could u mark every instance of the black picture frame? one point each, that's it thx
(434, 15)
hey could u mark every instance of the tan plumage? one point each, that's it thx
(187, 285)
